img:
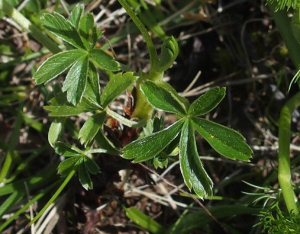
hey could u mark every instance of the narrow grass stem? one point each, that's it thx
(284, 165)
(52, 199)
(27, 205)
(13, 143)
(144, 32)
(28, 26)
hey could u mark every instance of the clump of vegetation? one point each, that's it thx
(100, 107)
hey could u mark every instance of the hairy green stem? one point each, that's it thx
(144, 32)
(284, 165)
(143, 110)
(28, 26)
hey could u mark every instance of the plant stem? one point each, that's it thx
(284, 167)
(144, 32)
(121, 119)
(143, 110)
(28, 26)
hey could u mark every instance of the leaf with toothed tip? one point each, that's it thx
(56, 65)
(193, 172)
(224, 140)
(148, 147)
(62, 28)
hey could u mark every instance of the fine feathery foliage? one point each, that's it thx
(282, 4)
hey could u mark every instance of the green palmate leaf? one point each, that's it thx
(55, 130)
(104, 60)
(174, 93)
(160, 162)
(91, 128)
(191, 167)
(76, 14)
(150, 146)
(66, 110)
(92, 89)
(57, 97)
(169, 52)
(93, 85)
(157, 124)
(91, 166)
(207, 102)
(144, 221)
(65, 167)
(162, 99)
(75, 82)
(84, 177)
(62, 28)
(56, 64)
(66, 150)
(225, 141)
(86, 26)
(105, 144)
(116, 85)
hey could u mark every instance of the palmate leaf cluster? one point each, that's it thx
(81, 35)
(224, 140)
(80, 93)
(81, 90)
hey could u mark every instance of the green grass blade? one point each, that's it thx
(25, 207)
(13, 143)
(14, 198)
(52, 199)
